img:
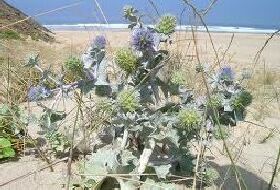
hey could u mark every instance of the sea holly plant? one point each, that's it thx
(144, 131)
(150, 132)
(166, 24)
(229, 98)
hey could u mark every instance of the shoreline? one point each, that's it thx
(123, 27)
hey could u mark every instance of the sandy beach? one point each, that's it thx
(241, 52)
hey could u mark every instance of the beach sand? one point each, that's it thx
(242, 50)
(240, 54)
(255, 160)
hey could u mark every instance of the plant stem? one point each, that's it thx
(144, 158)
(72, 146)
(124, 140)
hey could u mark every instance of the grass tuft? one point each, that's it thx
(9, 35)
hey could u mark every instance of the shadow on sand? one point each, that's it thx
(228, 180)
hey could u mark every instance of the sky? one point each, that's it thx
(242, 13)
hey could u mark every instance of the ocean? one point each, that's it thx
(249, 16)
(227, 29)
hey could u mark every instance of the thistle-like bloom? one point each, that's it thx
(143, 39)
(99, 42)
(166, 24)
(126, 60)
(38, 92)
(189, 118)
(226, 74)
(214, 102)
(128, 100)
(129, 13)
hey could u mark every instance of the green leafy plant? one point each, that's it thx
(12, 122)
(242, 100)
(58, 142)
(6, 149)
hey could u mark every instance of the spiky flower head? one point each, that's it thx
(166, 24)
(74, 68)
(129, 11)
(241, 100)
(99, 42)
(126, 60)
(73, 64)
(226, 74)
(38, 92)
(143, 39)
(214, 102)
(128, 100)
(189, 118)
(178, 78)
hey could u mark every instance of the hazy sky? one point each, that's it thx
(252, 13)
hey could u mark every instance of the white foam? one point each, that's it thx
(230, 29)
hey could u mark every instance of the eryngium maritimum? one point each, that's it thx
(38, 92)
(166, 24)
(143, 39)
(226, 74)
(99, 42)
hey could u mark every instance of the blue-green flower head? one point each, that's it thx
(38, 92)
(189, 118)
(126, 60)
(143, 39)
(226, 74)
(99, 42)
(166, 24)
(128, 100)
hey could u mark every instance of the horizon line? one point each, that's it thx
(212, 28)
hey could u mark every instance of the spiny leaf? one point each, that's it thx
(162, 170)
